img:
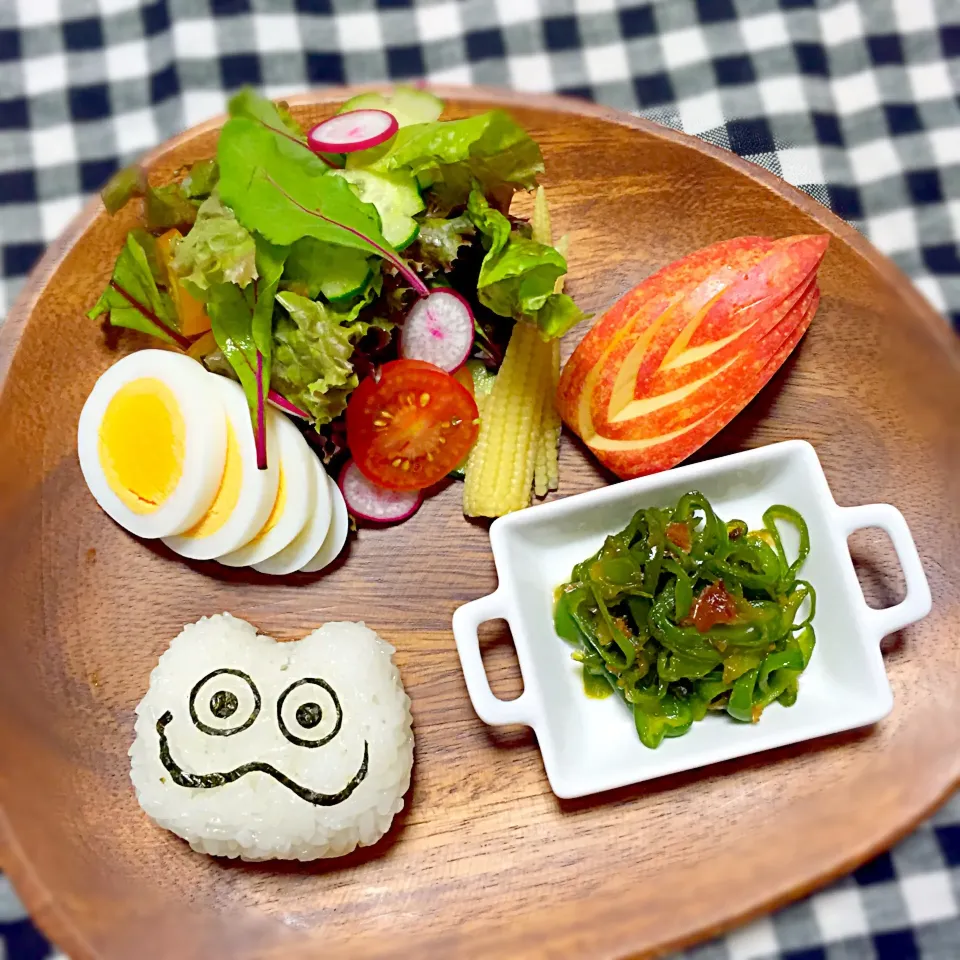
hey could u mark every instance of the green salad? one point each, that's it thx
(681, 613)
(290, 269)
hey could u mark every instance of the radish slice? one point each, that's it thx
(352, 131)
(369, 501)
(439, 330)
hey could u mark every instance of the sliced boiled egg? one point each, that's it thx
(308, 541)
(295, 500)
(245, 496)
(152, 442)
(337, 534)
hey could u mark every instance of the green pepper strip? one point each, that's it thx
(671, 674)
(740, 705)
(672, 717)
(704, 538)
(749, 560)
(789, 659)
(675, 666)
(683, 587)
(616, 634)
(804, 589)
(657, 540)
(788, 515)
(805, 641)
(639, 608)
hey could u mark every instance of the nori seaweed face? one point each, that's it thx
(224, 704)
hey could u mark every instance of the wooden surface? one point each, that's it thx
(484, 860)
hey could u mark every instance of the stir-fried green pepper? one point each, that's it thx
(682, 612)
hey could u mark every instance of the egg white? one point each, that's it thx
(300, 495)
(258, 488)
(308, 541)
(337, 534)
(205, 441)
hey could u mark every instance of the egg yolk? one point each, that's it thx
(141, 444)
(278, 507)
(228, 493)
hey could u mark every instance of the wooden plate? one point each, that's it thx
(484, 861)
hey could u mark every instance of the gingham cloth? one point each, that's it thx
(856, 103)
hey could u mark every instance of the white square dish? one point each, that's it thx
(591, 745)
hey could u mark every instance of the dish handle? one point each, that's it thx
(466, 623)
(917, 603)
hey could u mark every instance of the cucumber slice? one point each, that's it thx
(483, 377)
(483, 381)
(315, 267)
(408, 105)
(336, 288)
(396, 197)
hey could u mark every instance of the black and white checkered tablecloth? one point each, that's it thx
(855, 102)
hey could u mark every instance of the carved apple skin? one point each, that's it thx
(677, 357)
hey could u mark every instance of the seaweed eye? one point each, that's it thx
(313, 712)
(224, 702)
(309, 715)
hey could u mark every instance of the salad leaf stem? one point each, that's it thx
(178, 338)
(384, 252)
(260, 435)
(284, 404)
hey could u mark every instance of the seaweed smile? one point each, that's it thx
(207, 781)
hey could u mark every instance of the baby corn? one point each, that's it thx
(519, 427)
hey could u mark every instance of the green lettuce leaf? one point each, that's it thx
(275, 115)
(518, 275)
(216, 250)
(242, 323)
(313, 346)
(440, 240)
(166, 207)
(314, 267)
(490, 148)
(278, 188)
(277, 192)
(149, 244)
(270, 264)
(557, 315)
(133, 299)
(201, 179)
(494, 227)
(231, 318)
(123, 186)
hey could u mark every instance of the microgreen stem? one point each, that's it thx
(261, 432)
(284, 404)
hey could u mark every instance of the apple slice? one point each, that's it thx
(678, 356)
(646, 302)
(663, 412)
(635, 458)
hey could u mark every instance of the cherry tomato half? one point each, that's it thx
(412, 426)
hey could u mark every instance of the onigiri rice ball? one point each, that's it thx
(247, 747)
